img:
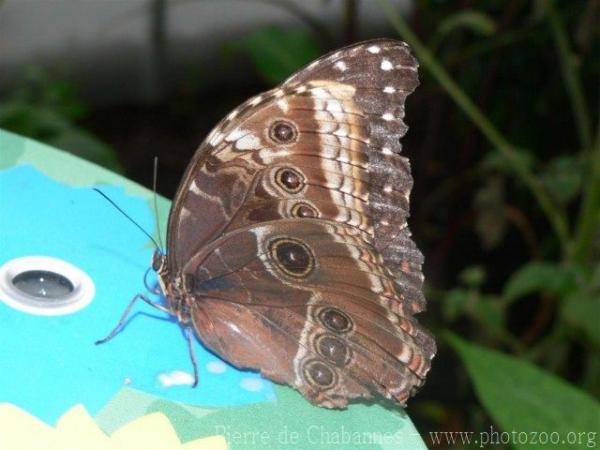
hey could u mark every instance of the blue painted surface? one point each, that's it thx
(49, 364)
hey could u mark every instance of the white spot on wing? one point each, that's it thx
(283, 105)
(388, 116)
(185, 213)
(405, 355)
(402, 66)
(215, 138)
(255, 101)
(248, 142)
(236, 134)
(374, 49)
(320, 93)
(387, 151)
(389, 89)
(333, 106)
(234, 328)
(386, 64)
(341, 65)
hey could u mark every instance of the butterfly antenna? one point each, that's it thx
(109, 200)
(154, 183)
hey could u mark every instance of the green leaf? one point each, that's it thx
(539, 276)
(493, 161)
(50, 126)
(33, 121)
(562, 177)
(455, 303)
(278, 52)
(595, 277)
(486, 310)
(476, 21)
(472, 276)
(40, 88)
(489, 313)
(582, 311)
(521, 397)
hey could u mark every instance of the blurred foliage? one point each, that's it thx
(524, 398)
(277, 52)
(48, 109)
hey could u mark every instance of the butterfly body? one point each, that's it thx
(287, 247)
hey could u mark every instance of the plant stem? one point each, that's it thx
(554, 215)
(488, 45)
(568, 68)
(157, 73)
(589, 214)
(350, 20)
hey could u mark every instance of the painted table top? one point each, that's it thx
(54, 376)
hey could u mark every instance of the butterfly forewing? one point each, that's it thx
(289, 232)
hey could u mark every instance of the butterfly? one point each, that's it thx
(288, 250)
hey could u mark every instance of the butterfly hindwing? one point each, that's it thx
(296, 296)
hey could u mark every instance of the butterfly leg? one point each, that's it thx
(189, 335)
(123, 318)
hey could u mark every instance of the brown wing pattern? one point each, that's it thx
(289, 231)
(317, 294)
(383, 73)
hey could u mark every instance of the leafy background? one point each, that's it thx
(505, 148)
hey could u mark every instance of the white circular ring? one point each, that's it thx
(83, 286)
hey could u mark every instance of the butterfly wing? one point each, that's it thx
(309, 303)
(289, 229)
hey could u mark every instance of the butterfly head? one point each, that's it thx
(172, 289)
(159, 260)
(159, 265)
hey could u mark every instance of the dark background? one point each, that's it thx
(503, 143)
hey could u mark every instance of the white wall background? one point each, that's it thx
(107, 43)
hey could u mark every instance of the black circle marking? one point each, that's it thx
(290, 179)
(335, 320)
(304, 210)
(283, 132)
(292, 256)
(333, 349)
(319, 374)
